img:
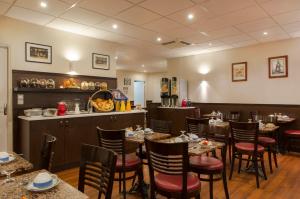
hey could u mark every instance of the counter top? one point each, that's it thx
(178, 107)
(79, 115)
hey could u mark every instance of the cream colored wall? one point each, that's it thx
(216, 85)
(15, 33)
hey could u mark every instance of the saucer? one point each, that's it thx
(10, 159)
(31, 187)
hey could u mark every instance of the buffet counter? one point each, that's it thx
(37, 118)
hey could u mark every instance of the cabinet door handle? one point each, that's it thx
(61, 123)
(67, 123)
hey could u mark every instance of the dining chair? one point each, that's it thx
(115, 141)
(97, 169)
(47, 152)
(161, 126)
(212, 166)
(290, 135)
(234, 116)
(198, 126)
(169, 171)
(245, 142)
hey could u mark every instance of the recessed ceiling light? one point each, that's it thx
(115, 26)
(116, 57)
(158, 39)
(210, 44)
(143, 65)
(72, 6)
(265, 33)
(43, 4)
(145, 71)
(190, 16)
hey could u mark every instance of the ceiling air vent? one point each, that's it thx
(175, 44)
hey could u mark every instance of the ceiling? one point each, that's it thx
(214, 24)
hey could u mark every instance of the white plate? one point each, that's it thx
(10, 159)
(55, 182)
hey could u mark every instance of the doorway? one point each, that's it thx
(139, 93)
(3, 97)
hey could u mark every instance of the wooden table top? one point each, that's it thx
(16, 190)
(262, 130)
(197, 148)
(140, 137)
(19, 165)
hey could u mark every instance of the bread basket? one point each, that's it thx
(102, 101)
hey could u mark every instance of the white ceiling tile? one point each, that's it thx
(96, 33)
(287, 18)
(137, 15)
(244, 43)
(166, 7)
(67, 26)
(295, 34)
(3, 7)
(292, 27)
(136, 1)
(199, 12)
(54, 7)
(275, 38)
(235, 39)
(274, 32)
(224, 32)
(256, 25)
(220, 7)
(275, 7)
(83, 16)
(162, 25)
(71, 2)
(182, 32)
(197, 38)
(106, 7)
(29, 16)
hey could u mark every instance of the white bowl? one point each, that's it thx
(4, 156)
(43, 180)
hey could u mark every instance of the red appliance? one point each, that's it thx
(61, 108)
(184, 103)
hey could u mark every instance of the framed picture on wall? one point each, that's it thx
(127, 81)
(278, 66)
(38, 53)
(101, 61)
(239, 71)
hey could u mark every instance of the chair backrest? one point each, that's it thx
(47, 152)
(112, 139)
(169, 159)
(234, 116)
(161, 126)
(198, 126)
(197, 113)
(97, 169)
(244, 132)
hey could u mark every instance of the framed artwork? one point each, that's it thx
(38, 53)
(239, 71)
(101, 61)
(278, 66)
(125, 90)
(127, 81)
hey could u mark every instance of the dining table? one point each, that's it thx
(18, 165)
(18, 190)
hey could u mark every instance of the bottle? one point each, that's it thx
(128, 106)
(117, 105)
(77, 109)
(122, 107)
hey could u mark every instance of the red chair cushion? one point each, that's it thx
(244, 146)
(173, 183)
(292, 132)
(206, 163)
(131, 160)
(266, 140)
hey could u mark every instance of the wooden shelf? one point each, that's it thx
(56, 90)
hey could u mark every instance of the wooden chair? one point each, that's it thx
(212, 166)
(290, 135)
(168, 170)
(47, 152)
(234, 116)
(198, 126)
(245, 142)
(97, 169)
(161, 126)
(115, 141)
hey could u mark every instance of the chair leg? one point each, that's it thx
(197, 196)
(229, 151)
(120, 182)
(240, 163)
(256, 170)
(248, 161)
(124, 185)
(211, 186)
(232, 166)
(140, 177)
(275, 158)
(225, 183)
(262, 162)
(270, 159)
(152, 193)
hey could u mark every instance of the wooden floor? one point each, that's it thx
(284, 183)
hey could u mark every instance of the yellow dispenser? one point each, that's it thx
(122, 108)
(117, 106)
(128, 106)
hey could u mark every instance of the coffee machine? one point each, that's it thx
(173, 90)
(165, 92)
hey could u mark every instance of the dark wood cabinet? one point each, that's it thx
(70, 134)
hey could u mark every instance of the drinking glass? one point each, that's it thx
(183, 136)
(8, 173)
